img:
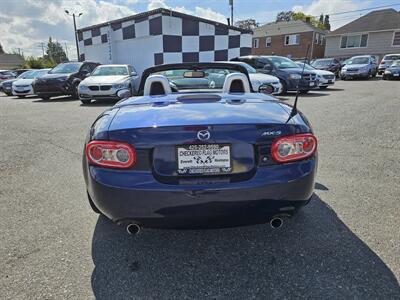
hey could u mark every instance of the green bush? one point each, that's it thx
(38, 63)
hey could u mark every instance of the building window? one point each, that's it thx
(256, 43)
(354, 41)
(268, 41)
(396, 38)
(293, 39)
(316, 38)
(322, 39)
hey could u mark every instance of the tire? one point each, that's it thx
(8, 94)
(86, 101)
(74, 94)
(323, 87)
(303, 92)
(92, 205)
(21, 96)
(284, 88)
(374, 74)
(384, 77)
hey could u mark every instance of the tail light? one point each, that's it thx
(294, 147)
(110, 154)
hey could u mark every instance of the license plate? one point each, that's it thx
(329, 81)
(204, 159)
(312, 83)
(396, 75)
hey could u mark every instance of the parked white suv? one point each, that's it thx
(108, 82)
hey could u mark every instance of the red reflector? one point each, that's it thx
(294, 147)
(111, 154)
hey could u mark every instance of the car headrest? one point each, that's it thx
(236, 83)
(156, 85)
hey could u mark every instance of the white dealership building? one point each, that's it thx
(162, 36)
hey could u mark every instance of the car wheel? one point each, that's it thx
(92, 205)
(86, 101)
(21, 96)
(284, 87)
(323, 87)
(9, 94)
(384, 77)
(74, 94)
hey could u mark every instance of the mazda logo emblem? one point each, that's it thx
(203, 135)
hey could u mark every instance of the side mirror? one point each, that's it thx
(133, 73)
(267, 68)
(85, 74)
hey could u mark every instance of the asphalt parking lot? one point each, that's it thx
(344, 245)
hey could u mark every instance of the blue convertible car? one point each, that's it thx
(198, 148)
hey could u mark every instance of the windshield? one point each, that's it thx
(358, 61)
(321, 63)
(249, 68)
(306, 66)
(25, 74)
(391, 57)
(66, 68)
(204, 79)
(283, 62)
(33, 74)
(110, 71)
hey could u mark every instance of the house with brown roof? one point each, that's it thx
(290, 39)
(377, 33)
(10, 61)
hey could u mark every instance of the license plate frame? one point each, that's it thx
(200, 163)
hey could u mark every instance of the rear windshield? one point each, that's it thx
(32, 74)
(321, 62)
(110, 71)
(391, 57)
(66, 68)
(195, 80)
(358, 61)
(396, 63)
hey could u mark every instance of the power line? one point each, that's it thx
(364, 9)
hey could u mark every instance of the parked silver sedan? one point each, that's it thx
(108, 82)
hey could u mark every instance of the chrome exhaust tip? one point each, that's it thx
(133, 229)
(276, 222)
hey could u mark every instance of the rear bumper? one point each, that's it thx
(125, 196)
(303, 85)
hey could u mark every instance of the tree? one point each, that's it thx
(284, 16)
(38, 63)
(249, 24)
(327, 25)
(2, 50)
(55, 52)
(321, 19)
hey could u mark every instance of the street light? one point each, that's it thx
(76, 34)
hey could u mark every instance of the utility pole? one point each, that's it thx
(231, 4)
(66, 50)
(42, 44)
(76, 34)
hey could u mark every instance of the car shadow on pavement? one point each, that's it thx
(100, 103)
(58, 99)
(314, 255)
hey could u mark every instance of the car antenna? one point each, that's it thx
(294, 108)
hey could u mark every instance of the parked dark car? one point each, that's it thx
(288, 72)
(6, 85)
(20, 71)
(63, 79)
(392, 72)
(327, 64)
(191, 156)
